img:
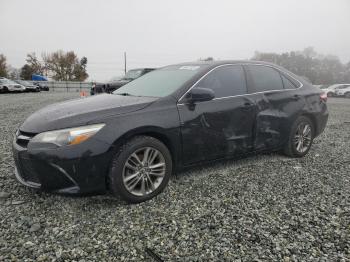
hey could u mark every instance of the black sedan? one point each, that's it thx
(131, 141)
(42, 85)
(110, 87)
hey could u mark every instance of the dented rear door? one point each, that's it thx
(278, 102)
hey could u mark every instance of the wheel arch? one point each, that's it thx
(313, 120)
(152, 131)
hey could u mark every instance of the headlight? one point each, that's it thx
(69, 136)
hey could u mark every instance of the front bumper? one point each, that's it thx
(70, 170)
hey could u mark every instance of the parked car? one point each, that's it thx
(7, 85)
(132, 141)
(344, 90)
(28, 85)
(97, 88)
(114, 85)
(330, 90)
(42, 85)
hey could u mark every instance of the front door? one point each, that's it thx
(220, 127)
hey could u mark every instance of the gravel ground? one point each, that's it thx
(262, 208)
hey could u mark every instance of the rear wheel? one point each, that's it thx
(6, 90)
(140, 170)
(347, 95)
(300, 138)
(330, 94)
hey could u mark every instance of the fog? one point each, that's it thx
(158, 32)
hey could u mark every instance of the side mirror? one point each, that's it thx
(200, 94)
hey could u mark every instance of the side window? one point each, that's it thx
(287, 83)
(265, 78)
(225, 81)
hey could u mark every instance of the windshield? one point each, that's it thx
(133, 74)
(161, 82)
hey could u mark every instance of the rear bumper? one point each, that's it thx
(321, 121)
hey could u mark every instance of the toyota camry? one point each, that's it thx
(132, 141)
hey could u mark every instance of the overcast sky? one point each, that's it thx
(160, 32)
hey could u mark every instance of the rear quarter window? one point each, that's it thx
(264, 78)
(287, 83)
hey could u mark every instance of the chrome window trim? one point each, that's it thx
(242, 64)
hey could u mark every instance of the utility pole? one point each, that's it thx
(125, 62)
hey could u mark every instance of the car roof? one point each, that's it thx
(223, 62)
(142, 68)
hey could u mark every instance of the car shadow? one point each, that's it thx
(220, 164)
(97, 201)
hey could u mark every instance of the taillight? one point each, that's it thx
(323, 97)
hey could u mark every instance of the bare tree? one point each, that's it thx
(66, 66)
(27, 72)
(35, 64)
(3, 66)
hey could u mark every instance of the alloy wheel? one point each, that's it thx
(303, 137)
(144, 171)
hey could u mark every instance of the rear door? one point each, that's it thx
(220, 127)
(278, 102)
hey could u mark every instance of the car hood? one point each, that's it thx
(82, 111)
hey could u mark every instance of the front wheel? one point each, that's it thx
(140, 170)
(300, 138)
(347, 95)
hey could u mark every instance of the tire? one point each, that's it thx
(347, 95)
(6, 90)
(131, 178)
(297, 146)
(330, 94)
